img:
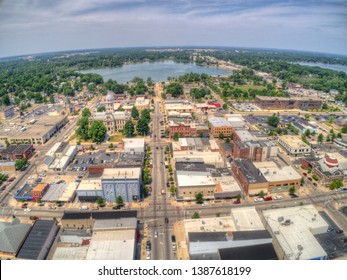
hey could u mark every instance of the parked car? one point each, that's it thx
(294, 195)
(278, 197)
(27, 210)
(34, 218)
(268, 198)
(330, 229)
(259, 199)
(238, 201)
(339, 231)
(148, 245)
(24, 206)
(148, 255)
(155, 233)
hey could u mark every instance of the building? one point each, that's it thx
(280, 179)
(24, 192)
(39, 241)
(39, 190)
(89, 190)
(243, 136)
(133, 145)
(179, 107)
(249, 177)
(333, 166)
(12, 236)
(226, 187)
(142, 103)
(15, 152)
(6, 112)
(255, 150)
(304, 126)
(181, 129)
(62, 192)
(123, 182)
(294, 229)
(293, 145)
(210, 157)
(59, 156)
(127, 160)
(301, 103)
(226, 149)
(206, 236)
(113, 121)
(36, 133)
(252, 252)
(190, 183)
(220, 126)
(194, 144)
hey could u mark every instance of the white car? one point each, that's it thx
(278, 197)
(148, 255)
(27, 210)
(259, 199)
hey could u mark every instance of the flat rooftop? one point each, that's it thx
(70, 253)
(294, 228)
(248, 168)
(219, 122)
(112, 245)
(88, 184)
(269, 98)
(122, 173)
(273, 173)
(133, 143)
(191, 179)
(245, 135)
(293, 141)
(246, 219)
(226, 184)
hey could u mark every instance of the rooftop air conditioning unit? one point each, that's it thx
(276, 232)
(280, 219)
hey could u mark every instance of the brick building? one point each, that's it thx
(39, 191)
(302, 103)
(15, 152)
(255, 150)
(220, 125)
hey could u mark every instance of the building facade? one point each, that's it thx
(293, 145)
(113, 121)
(274, 103)
(220, 126)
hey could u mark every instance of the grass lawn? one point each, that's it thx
(247, 87)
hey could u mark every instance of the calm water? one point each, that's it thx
(158, 71)
(327, 66)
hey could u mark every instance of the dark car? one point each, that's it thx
(339, 231)
(268, 198)
(237, 201)
(148, 245)
(294, 195)
(166, 220)
(34, 218)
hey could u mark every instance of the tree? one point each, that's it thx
(225, 106)
(97, 131)
(292, 190)
(101, 109)
(167, 149)
(339, 135)
(7, 143)
(196, 215)
(336, 184)
(273, 121)
(175, 136)
(20, 163)
(307, 132)
(302, 181)
(175, 89)
(344, 129)
(146, 179)
(170, 169)
(325, 106)
(320, 138)
(6, 100)
(128, 129)
(111, 146)
(261, 194)
(38, 200)
(328, 138)
(199, 198)
(315, 177)
(86, 113)
(83, 128)
(148, 148)
(100, 201)
(221, 136)
(172, 189)
(146, 115)
(227, 140)
(331, 119)
(142, 127)
(134, 113)
(119, 201)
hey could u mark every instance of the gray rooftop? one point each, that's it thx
(250, 171)
(12, 236)
(207, 236)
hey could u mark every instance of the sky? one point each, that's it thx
(36, 26)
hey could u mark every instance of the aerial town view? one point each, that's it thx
(172, 153)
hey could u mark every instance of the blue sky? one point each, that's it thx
(34, 26)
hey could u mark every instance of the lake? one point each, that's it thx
(336, 67)
(158, 71)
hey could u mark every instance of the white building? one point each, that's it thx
(294, 145)
(133, 145)
(294, 230)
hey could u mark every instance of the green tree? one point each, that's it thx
(261, 194)
(111, 146)
(142, 127)
(148, 148)
(83, 128)
(292, 190)
(146, 179)
(128, 129)
(170, 169)
(6, 100)
(86, 113)
(101, 109)
(273, 121)
(315, 177)
(221, 136)
(225, 106)
(325, 106)
(320, 138)
(172, 189)
(336, 184)
(196, 215)
(134, 113)
(119, 201)
(7, 143)
(100, 201)
(146, 115)
(20, 163)
(167, 149)
(175, 89)
(175, 136)
(199, 198)
(344, 129)
(328, 138)
(339, 135)
(97, 131)
(331, 119)
(307, 132)
(302, 181)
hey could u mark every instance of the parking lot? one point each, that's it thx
(332, 242)
(247, 107)
(82, 161)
